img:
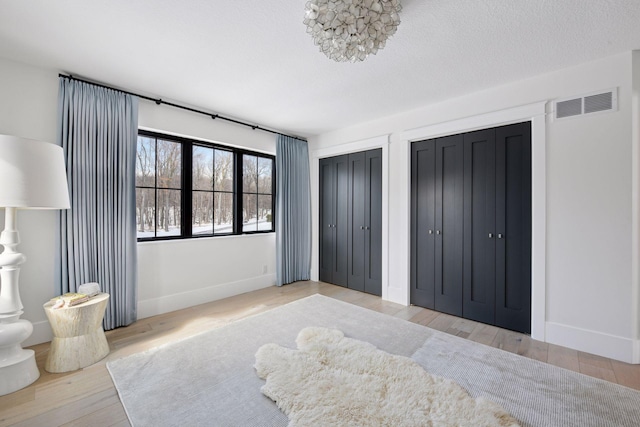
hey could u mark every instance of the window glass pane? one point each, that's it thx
(264, 175)
(145, 212)
(249, 174)
(202, 214)
(249, 212)
(224, 171)
(169, 214)
(146, 162)
(202, 168)
(223, 213)
(265, 218)
(169, 163)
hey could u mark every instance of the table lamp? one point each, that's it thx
(32, 176)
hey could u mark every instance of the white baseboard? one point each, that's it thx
(178, 301)
(601, 344)
(165, 304)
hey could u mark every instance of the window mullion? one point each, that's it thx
(155, 190)
(187, 189)
(237, 193)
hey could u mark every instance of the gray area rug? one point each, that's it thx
(209, 379)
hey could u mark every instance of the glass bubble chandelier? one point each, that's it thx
(351, 30)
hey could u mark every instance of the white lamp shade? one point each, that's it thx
(32, 174)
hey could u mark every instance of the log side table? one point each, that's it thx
(78, 337)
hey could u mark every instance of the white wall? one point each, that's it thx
(589, 287)
(635, 158)
(172, 275)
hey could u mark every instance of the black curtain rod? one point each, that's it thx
(159, 101)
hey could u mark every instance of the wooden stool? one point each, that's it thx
(78, 337)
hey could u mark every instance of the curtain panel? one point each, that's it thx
(97, 129)
(293, 211)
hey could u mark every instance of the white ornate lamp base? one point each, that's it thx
(17, 366)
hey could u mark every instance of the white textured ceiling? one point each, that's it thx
(252, 59)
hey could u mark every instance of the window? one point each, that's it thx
(212, 194)
(158, 188)
(187, 188)
(256, 188)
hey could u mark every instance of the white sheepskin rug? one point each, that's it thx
(336, 381)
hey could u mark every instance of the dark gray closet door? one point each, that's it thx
(373, 223)
(340, 260)
(448, 222)
(334, 175)
(357, 221)
(423, 223)
(327, 216)
(365, 221)
(479, 225)
(513, 227)
(471, 225)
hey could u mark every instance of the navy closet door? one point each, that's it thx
(423, 223)
(357, 221)
(436, 224)
(340, 261)
(327, 215)
(479, 226)
(513, 227)
(449, 202)
(351, 221)
(373, 222)
(471, 225)
(333, 220)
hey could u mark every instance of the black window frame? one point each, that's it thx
(186, 191)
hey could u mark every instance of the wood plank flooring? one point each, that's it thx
(88, 398)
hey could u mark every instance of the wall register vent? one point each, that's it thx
(598, 102)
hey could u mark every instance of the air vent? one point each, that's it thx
(568, 108)
(587, 104)
(599, 102)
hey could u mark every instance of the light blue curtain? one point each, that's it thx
(97, 129)
(293, 211)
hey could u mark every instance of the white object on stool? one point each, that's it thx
(90, 289)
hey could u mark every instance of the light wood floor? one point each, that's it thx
(88, 398)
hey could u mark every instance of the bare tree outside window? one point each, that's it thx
(145, 187)
(212, 196)
(257, 188)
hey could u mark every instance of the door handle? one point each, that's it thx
(500, 236)
(437, 231)
(362, 227)
(491, 235)
(367, 228)
(430, 231)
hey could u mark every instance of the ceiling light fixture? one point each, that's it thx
(351, 30)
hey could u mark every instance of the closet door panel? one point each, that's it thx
(449, 204)
(356, 221)
(480, 233)
(423, 222)
(340, 260)
(513, 218)
(327, 178)
(373, 216)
